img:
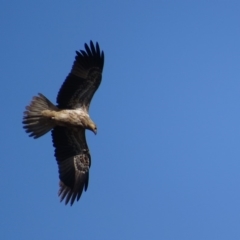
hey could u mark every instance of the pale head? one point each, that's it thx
(92, 126)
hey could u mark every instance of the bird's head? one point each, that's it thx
(93, 127)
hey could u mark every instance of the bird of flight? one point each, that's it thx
(68, 121)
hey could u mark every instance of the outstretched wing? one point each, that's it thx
(74, 160)
(84, 78)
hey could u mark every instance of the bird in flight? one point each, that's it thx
(68, 121)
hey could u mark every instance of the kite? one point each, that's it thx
(68, 121)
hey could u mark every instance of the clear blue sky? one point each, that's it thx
(166, 160)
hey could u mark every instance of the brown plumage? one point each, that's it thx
(68, 121)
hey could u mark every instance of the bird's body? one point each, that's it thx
(68, 117)
(68, 121)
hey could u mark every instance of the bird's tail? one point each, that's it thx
(33, 120)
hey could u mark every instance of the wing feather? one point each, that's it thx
(74, 160)
(84, 78)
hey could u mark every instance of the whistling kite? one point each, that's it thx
(68, 121)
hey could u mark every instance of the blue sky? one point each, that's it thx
(166, 159)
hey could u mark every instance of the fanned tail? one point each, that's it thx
(33, 120)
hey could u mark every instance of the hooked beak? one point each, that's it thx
(95, 131)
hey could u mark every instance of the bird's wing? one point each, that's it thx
(84, 78)
(74, 160)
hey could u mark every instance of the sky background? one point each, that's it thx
(166, 159)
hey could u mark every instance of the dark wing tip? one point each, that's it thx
(94, 52)
(92, 56)
(70, 195)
